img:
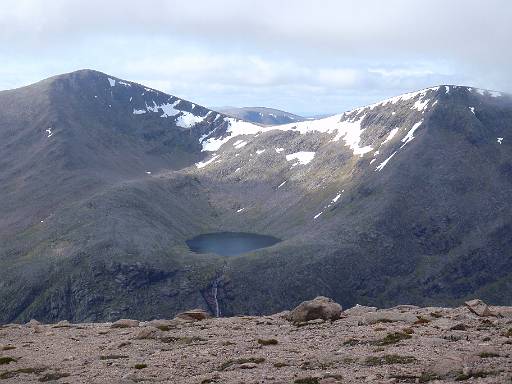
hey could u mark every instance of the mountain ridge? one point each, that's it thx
(262, 115)
(96, 230)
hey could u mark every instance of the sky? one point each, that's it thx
(307, 57)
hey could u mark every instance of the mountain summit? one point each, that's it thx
(262, 115)
(104, 180)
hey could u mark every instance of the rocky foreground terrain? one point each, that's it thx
(314, 343)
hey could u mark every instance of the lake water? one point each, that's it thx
(230, 243)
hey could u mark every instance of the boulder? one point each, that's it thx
(388, 316)
(479, 308)
(62, 324)
(193, 315)
(163, 324)
(125, 323)
(358, 310)
(33, 323)
(318, 308)
(148, 333)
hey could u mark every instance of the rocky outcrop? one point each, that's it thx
(125, 323)
(445, 345)
(319, 308)
(478, 307)
(193, 315)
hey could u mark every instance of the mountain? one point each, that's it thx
(262, 115)
(103, 181)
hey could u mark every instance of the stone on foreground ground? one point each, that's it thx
(405, 344)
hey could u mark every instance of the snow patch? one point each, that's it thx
(349, 130)
(336, 198)
(124, 83)
(168, 109)
(235, 128)
(317, 215)
(383, 164)
(188, 120)
(112, 82)
(279, 150)
(203, 164)
(50, 133)
(391, 134)
(283, 183)
(420, 105)
(239, 144)
(410, 135)
(302, 157)
(240, 210)
(472, 109)
(138, 111)
(260, 151)
(499, 139)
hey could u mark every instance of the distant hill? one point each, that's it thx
(262, 115)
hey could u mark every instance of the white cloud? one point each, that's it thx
(326, 55)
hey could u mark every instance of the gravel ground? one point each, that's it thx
(405, 344)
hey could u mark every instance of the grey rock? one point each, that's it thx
(479, 308)
(193, 315)
(125, 323)
(62, 324)
(148, 333)
(32, 323)
(358, 310)
(163, 324)
(319, 308)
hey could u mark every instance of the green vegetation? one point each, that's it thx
(389, 359)
(113, 357)
(53, 376)
(351, 342)
(421, 321)
(229, 363)
(476, 375)
(267, 341)
(186, 340)
(7, 347)
(427, 376)
(393, 338)
(307, 380)
(6, 360)
(10, 374)
(486, 355)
